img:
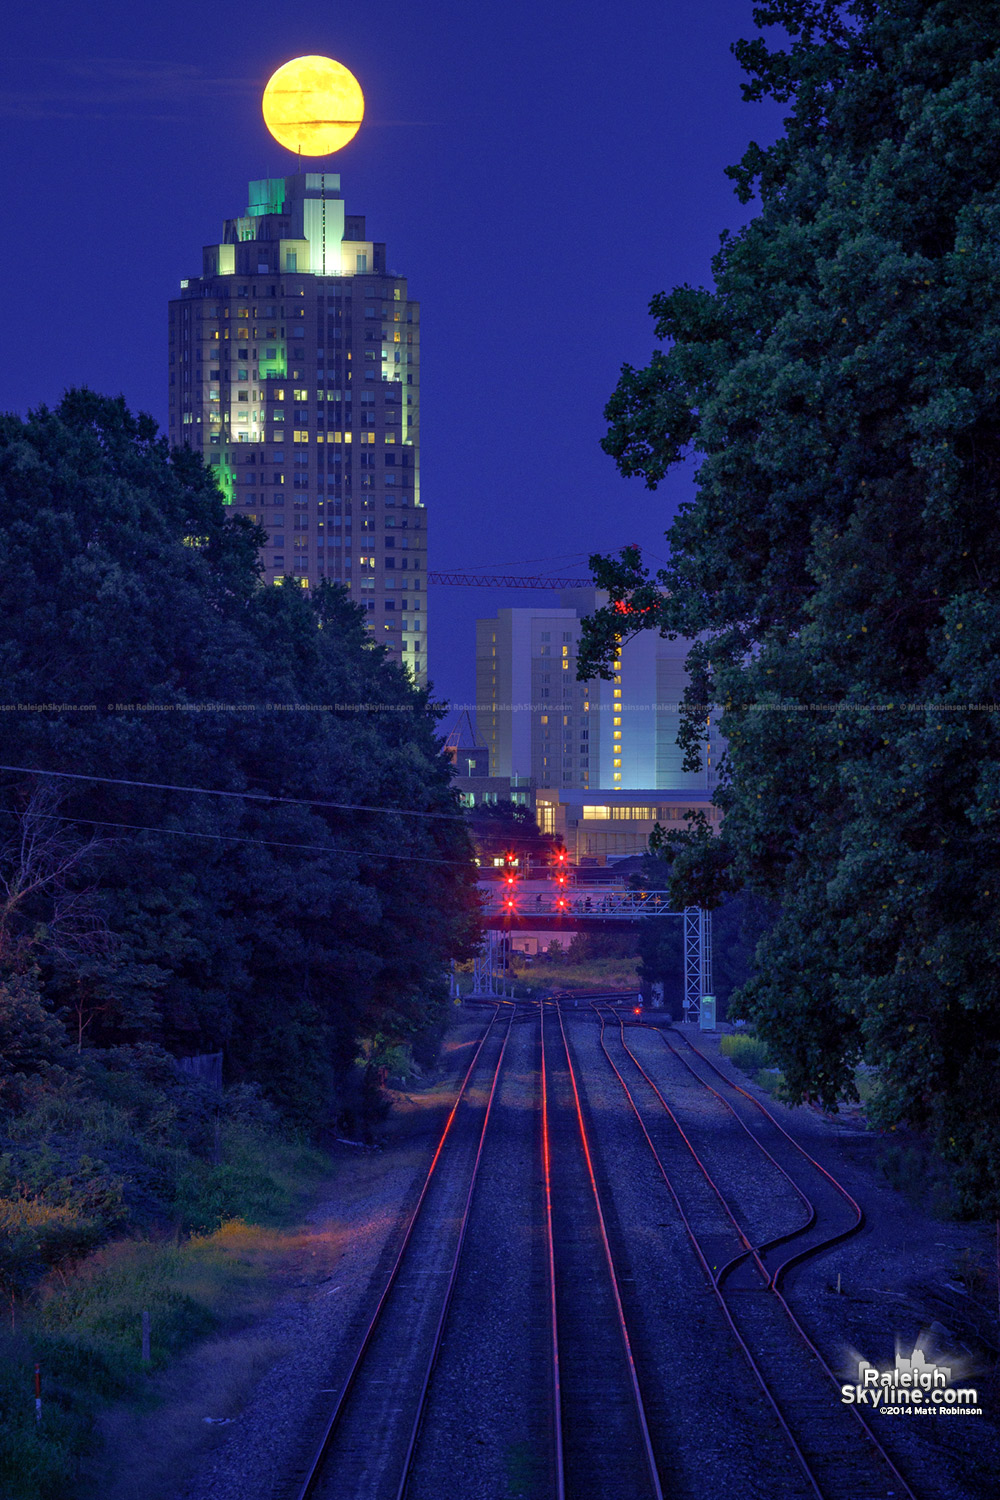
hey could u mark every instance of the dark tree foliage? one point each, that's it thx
(502, 827)
(138, 642)
(840, 563)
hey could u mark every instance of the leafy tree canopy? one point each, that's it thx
(138, 643)
(840, 562)
(502, 827)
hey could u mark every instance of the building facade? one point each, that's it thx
(294, 368)
(540, 723)
(598, 827)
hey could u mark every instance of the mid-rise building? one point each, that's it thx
(597, 828)
(540, 723)
(294, 369)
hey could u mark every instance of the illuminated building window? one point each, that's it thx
(617, 693)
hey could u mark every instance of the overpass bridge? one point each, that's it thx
(536, 905)
(607, 905)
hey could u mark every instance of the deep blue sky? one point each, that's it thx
(538, 169)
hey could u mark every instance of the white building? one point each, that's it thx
(539, 722)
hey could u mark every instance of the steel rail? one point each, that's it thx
(638, 1403)
(838, 1186)
(765, 1245)
(772, 1281)
(314, 1469)
(801, 1255)
(716, 1290)
(452, 1278)
(560, 1474)
(748, 1249)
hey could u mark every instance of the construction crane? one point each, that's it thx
(509, 581)
(454, 740)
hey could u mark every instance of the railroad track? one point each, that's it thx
(366, 1446)
(521, 1344)
(489, 1419)
(404, 1419)
(601, 1437)
(745, 1258)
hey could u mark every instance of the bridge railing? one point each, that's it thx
(580, 905)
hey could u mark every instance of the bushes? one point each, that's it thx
(126, 1143)
(85, 1328)
(751, 1056)
(913, 1168)
(35, 1236)
(749, 1053)
(255, 1180)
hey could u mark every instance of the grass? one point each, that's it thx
(84, 1326)
(594, 974)
(751, 1056)
(147, 1450)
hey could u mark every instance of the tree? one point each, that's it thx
(316, 897)
(42, 902)
(498, 827)
(840, 562)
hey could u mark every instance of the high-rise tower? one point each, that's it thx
(294, 370)
(539, 722)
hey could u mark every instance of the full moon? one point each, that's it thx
(313, 105)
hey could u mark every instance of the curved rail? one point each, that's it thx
(703, 1262)
(314, 1471)
(801, 1255)
(772, 1281)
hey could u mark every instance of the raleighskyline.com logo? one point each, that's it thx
(914, 1386)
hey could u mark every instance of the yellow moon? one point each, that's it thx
(313, 105)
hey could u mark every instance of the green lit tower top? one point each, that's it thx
(294, 369)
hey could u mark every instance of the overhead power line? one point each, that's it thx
(208, 791)
(509, 581)
(235, 838)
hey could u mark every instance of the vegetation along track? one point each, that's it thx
(746, 1245)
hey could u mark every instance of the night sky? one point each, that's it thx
(538, 170)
